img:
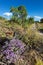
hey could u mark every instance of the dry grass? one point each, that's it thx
(39, 62)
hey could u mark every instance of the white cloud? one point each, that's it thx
(38, 17)
(7, 14)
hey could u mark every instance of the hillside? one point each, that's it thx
(32, 53)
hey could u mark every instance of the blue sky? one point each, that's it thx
(34, 7)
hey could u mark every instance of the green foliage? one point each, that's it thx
(2, 18)
(14, 14)
(41, 20)
(23, 13)
(30, 20)
(19, 14)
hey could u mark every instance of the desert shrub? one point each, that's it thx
(26, 36)
(38, 40)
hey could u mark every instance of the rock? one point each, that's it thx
(3, 41)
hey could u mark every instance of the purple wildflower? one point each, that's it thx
(9, 52)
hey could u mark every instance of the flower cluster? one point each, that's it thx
(13, 50)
